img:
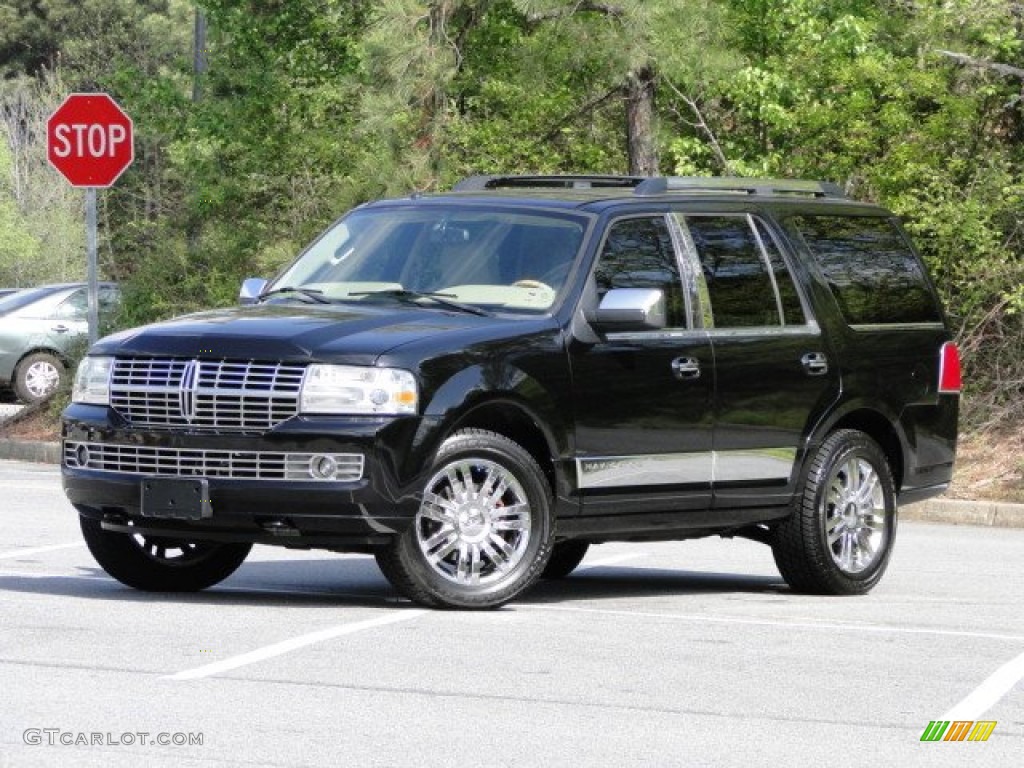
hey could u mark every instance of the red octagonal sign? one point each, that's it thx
(89, 140)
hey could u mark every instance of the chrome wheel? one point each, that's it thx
(41, 378)
(854, 515)
(483, 529)
(473, 525)
(839, 536)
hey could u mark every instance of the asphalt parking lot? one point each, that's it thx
(671, 654)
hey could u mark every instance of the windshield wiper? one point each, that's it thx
(310, 293)
(411, 297)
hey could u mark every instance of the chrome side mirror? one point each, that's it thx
(631, 309)
(252, 287)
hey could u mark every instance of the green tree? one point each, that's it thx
(457, 87)
(42, 237)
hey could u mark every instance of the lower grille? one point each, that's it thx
(183, 462)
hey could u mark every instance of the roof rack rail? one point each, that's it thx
(480, 183)
(659, 185)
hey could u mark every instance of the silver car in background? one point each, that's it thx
(40, 329)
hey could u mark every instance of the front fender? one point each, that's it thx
(478, 387)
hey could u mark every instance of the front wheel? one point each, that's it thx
(161, 564)
(840, 535)
(484, 529)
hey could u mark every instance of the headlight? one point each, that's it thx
(356, 390)
(92, 381)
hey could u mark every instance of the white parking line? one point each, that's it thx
(823, 625)
(38, 550)
(985, 696)
(278, 649)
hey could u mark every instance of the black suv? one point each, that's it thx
(476, 386)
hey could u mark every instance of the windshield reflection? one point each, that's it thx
(494, 258)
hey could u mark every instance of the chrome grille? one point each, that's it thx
(186, 462)
(215, 395)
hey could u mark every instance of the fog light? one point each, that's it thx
(82, 456)
(323, 467)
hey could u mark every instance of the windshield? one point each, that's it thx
(494, 258)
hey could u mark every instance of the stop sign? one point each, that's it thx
(89, 140)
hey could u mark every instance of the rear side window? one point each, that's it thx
(874, 275)
(739, 285)
(744, 281)
(793, 311)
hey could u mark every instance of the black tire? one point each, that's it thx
(564, 558)
(38, 376)
(157, 564)
(840, 536)
(479, 556)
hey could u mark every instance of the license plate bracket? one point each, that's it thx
(176, 498)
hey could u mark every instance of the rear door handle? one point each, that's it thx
(815, 363)
(60, 328)
(686, 368)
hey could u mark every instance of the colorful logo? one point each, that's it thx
(958, 730)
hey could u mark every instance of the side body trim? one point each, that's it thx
(685, 468)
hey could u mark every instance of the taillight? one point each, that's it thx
(949, 369)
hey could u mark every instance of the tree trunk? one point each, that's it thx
(435, 96)
(641, 146)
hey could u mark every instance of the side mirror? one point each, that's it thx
(252, 287)
(631, 309)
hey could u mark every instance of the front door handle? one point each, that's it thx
(686, 368)
(815, 363)
(60, 328)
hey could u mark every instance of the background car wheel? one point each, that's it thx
(564, 558)
(484, 529)
(840, 536)
(37, 376)
(161, 564)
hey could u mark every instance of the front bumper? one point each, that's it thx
(260, 487)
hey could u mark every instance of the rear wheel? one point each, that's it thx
(840, 536)
(159, 563)
(484, 529)
(565, 558)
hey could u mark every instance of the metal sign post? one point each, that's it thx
(91, 270)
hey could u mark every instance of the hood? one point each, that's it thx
(342, 333)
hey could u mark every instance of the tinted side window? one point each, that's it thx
(871, 270)
(739, 286)
(638, 253)
(792, 309)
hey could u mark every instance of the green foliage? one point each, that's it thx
(311, 106)
(19, 248)
(41, 231)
